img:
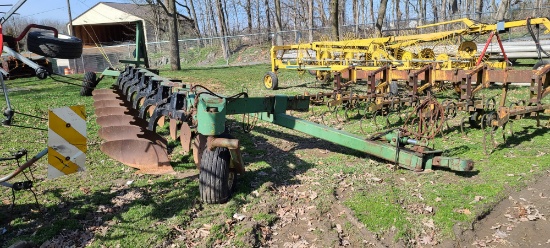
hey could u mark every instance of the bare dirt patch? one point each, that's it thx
(520, 220)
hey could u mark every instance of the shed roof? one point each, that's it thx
(108, 12)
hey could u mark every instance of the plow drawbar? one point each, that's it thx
(141, 100)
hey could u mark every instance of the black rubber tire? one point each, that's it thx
(45, 44)
(87, 88)
(394, 88)
(91, 77)
(271, 82)
(216, 181)
(540, 64)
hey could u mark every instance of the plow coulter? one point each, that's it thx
(140, 100)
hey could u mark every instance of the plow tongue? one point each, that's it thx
(130, 132)
(141, 154)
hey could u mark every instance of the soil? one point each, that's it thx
(518, 221)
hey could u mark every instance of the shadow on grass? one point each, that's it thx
(124, 210)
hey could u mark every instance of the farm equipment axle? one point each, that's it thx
(201, 115)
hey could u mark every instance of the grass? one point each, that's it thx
(162, 210)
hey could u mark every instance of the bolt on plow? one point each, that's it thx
(140, 100)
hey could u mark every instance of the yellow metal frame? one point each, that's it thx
(333, 56)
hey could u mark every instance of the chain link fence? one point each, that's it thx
(208, 50)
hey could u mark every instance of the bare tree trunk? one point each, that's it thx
(355, 10)
(502, 9)
(434, 10)
(479, 9)
(258, 16)
(322, 14)
(381, 16)
(214, 27)
(248, 9)
(267, 17)
(397, 13)
(443, 10)
(454, 7)
(407, 12)
(226, 16)
(174, 44)
(422, 11)
(196, 21)
(278, 25)
(371, 8)
(223, 33)
(536, 9)
(310, 20)
(335, 32)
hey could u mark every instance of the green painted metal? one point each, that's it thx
(141, 57)
(110, 72)
(405, 157)
(406, 152)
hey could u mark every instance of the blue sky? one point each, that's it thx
(54, 9)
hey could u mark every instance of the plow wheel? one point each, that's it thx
(270, 81)
(216, 178)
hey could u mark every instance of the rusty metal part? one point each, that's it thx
(111, 133)
(199, 144)
(104, 91)
(120, 120)
(141, 154)
(100, 97)
(173, 128)
(426, 121)
(109, 103)
(185, 137)
(234, 148)
(115, 111)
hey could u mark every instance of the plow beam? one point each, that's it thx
(417, 158)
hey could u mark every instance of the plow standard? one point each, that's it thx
(140, 100)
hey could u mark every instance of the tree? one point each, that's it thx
(221, 23)
(479, 9)
(381, 15)
(278, 25)
(248, 9)
(194, 16)
(310, 19)
(502, 7)
(174, 44)
(335, 31)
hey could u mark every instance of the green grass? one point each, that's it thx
(168, 204)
